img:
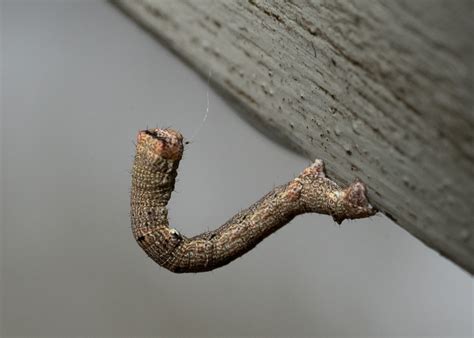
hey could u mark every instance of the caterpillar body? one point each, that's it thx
(158, 153)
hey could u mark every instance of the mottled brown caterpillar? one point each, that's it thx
(153, 177)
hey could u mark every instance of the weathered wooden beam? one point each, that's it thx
(381, 90)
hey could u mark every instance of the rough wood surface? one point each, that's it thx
(381, 90)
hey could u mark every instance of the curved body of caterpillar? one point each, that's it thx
(153, 177)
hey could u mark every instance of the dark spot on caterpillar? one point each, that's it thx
(178, 269)
(176, 234)
(155, 135)
(152, 133)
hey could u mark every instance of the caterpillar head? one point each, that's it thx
(161, 143)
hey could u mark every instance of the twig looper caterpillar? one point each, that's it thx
(153, 177)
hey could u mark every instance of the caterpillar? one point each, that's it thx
(158, 153)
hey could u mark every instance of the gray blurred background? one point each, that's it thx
(78, 79)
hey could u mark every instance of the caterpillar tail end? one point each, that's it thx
(354, 203)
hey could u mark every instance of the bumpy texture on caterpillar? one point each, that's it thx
(153, 177)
